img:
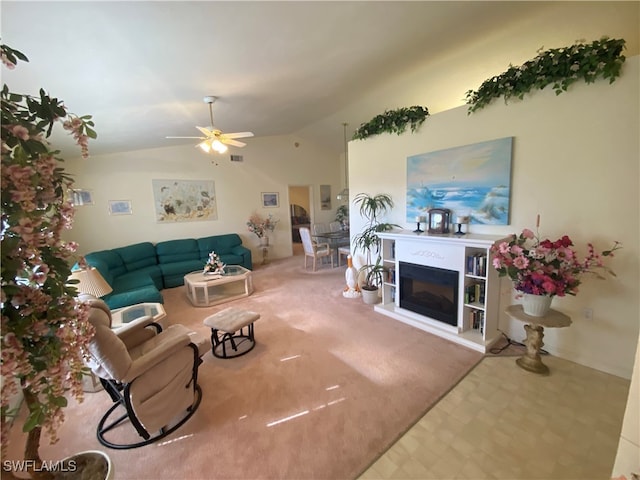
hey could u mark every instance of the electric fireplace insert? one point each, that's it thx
(429, 291)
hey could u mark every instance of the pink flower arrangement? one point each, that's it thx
(45, 330)
(260, 226)
(546, 267)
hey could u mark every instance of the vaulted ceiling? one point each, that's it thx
(142, 68)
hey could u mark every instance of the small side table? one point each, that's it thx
(535, 332)
(124, 315)
(265, 254)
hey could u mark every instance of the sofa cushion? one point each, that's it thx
(217, 243)
(173, 273)
(130, 297)
(132, 280)
(228, 246)
(177, 251)
(232, 259)
(137, 256)
(108, 263)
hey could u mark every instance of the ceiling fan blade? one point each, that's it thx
(238, 135)
(208, 132)
(229, 141)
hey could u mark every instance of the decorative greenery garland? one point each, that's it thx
(560, 67)
(393, 121)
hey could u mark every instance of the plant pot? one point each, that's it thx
(536, 305)
(370, 296)
(88, 465)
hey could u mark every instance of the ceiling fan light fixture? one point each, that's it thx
(218, 146)
(206, 148)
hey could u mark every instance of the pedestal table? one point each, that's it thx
(535, 332)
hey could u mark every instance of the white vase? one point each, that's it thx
(264, 241)
(536, 305)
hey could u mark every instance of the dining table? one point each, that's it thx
(336, 239)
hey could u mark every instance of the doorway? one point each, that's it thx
(300, 204)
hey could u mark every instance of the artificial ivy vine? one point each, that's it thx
(393, 121)
(560, 67)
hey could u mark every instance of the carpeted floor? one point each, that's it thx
(329, 386)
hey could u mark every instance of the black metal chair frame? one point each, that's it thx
(234, 339)
(119, 393)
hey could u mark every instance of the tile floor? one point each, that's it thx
(501, 422)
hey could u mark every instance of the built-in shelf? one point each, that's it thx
(478, 283)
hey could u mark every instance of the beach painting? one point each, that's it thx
(473, 180)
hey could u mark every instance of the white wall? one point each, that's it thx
(576, 163)
(270, 164)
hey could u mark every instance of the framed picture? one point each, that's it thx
(270, 199)
(120, 207)
(325, 197)
(471, 180)
(80, 197)
(184, 200)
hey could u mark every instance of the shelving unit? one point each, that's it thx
(389, 261)
(478, 288)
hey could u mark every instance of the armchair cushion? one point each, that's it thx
(157, 349)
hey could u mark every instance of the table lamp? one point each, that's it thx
(90, 281)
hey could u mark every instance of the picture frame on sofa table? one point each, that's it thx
(270, 199)
(120, 207)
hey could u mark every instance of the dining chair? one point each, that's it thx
(335, 227)
(319, 228)
(313, 249)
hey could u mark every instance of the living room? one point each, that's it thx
(575, 164)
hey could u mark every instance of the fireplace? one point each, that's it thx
(429, 291)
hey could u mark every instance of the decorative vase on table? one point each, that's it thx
(264, 241)
(536, 305)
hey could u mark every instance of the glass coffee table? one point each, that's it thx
(124, 315)
(204, 290)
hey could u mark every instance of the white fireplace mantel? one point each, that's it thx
(477, 326)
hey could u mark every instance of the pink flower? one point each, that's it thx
(520, 262)
(19, 132)
(526, 233)
(6, 62)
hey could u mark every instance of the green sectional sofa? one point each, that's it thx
(137, 273)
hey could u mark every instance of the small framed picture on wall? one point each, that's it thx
(120, 207)
(270, 199)
(325, 197)
(80, 197)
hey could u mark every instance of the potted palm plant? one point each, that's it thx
(45, 330)
(371, 208)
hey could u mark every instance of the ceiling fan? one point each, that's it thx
(213, 138)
